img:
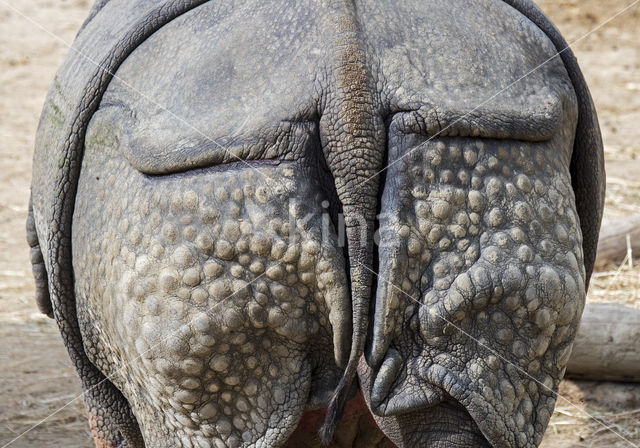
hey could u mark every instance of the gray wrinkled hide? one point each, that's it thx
(188, 217)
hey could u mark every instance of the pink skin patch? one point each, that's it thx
(306, 434)
(93, 425)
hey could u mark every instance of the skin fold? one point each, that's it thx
(284, 214)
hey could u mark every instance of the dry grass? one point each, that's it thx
(622, 197)
(595, 415)
(37, 390)
(621, 285)
(598, 429)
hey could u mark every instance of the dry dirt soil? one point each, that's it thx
(39, 392)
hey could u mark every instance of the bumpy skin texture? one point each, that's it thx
(493, 253)
(199, 278)
(215, 324)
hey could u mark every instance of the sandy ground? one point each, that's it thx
(38, 388)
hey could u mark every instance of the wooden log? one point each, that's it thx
(612, 244)
(607, 346)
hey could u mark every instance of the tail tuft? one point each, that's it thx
(337, 403)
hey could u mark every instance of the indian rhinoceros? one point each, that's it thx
(239, 208)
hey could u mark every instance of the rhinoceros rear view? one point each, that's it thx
(238, 208)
